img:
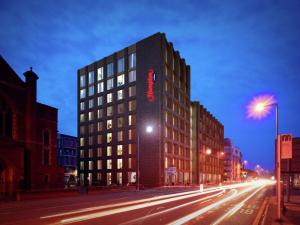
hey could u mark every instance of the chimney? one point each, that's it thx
(31, 78)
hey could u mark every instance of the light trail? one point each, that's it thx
(216, 204)
(202, 200)
(206, 191)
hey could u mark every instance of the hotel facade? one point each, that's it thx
(134, 116)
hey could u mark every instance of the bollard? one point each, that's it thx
(201, 187)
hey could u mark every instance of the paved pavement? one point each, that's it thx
(233, 204)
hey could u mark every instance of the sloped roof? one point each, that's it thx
(7, 74)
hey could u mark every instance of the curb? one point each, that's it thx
(260, 218)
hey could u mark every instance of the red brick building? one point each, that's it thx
(28, 135)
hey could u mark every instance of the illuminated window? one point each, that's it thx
(131, 134)
(91, 115)
(100, 74)
(110, 69)
(132, 105)
(109, 111)
(99, 139)
(82, 117)
(120, 135)
(120, 122)
(119, 164)
(109, 137)
(100, 87)
(81, 153)
(99, 152)
(119, 178)
(131, 149)
(81, 142)
(108, 151)
(82, 80)
(132, 76)
(132, 91)
(121, 80)
(91, 77)
(91, 103)
(110, 83)
(120, 94)
(100, 101)
(99, 126)
(131, 120)
(99, 113)
(120, 65)
(91, 90)
(109, 97)
(119, 149)
(99, 164)
(109, 124)
(90, 165)
(109, 164)
(82, 165)
(82, 93)
(82, 106)
(108, 178)
(90, 153)
(132, 60)
(121, 108)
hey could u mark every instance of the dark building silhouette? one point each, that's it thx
(138, 96)
(28, 135)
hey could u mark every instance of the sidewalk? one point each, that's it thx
(291, 214)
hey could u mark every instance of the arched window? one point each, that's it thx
(5, 120)
(46, 154)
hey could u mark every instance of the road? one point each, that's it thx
(231, 204)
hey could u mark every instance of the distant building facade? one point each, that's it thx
(207, 146)
(233, 161)
(145, 85)
(67, 156)
(28, 135)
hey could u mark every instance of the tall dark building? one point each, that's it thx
(28, 135)
(207, 146)
(134, 111)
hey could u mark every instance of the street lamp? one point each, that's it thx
(208, 151)
(149, 129)
(259, 108)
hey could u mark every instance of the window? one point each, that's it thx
(119, 149)
(100, 113)
(99, 139)
(82, 80)
(109, 164)
(91, 90)
(100, 74)
(82, 117)
(82, 93)
(100, 87)
(82, 130)
(82, 165)
(109, 111)
(91, 103)
(131, 149)
(81, 106)
(108, 178)
(91, 128)
(121, 65)
(81, 140)
(132, 60)
(108, 151)
(132, 91)
(109, 98)
(131, 134)
(130, 163)
(46, 158)
(120, 164)
(110, 69)
(99, 164)
(109, 124)
(132, 105)
(110, 83)
(120, 94)
(99, 126)
(100, 101)
(81, 153)
(132, 76)
(119, 178)
(6, 120)
(99, 176)
(121, 108)
(91, 77)
(120, 135)
(131, 120)
(121, 80)
(90, 140)
(91, 116)
(90, 153)
(109, 137)
(99, 152)
(120, 122)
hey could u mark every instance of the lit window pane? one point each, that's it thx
(109, 97)
(109, 164)
(91, 90)
(82, 80)
(100, 87)
(120, 80)
(120, 65)
(110, 84)
(109, 138)
(82, 106)
(91, 77)
(132, 91)
(132, 76)
(120, 163)
(82, 93)
(120, 94)
(91, 103)
(120, 149)
(110, 69)
(109, 124)
(91, 115)
(109, 111)
(100, 100)
(100, 73)
(132, 60)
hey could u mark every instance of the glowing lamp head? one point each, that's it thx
(208, 151)
(260, 106)
(245, 161)
(149, 129)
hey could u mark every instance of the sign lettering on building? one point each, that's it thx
(150, 81)
(286, 146)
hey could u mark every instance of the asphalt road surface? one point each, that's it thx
(232, 204)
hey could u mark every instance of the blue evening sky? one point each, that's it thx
(235, 48)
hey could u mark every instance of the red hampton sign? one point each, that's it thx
(150, 92)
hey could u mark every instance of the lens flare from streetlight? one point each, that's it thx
(260, 106)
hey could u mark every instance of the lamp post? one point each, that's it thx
(258, 108)
(149, 129)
